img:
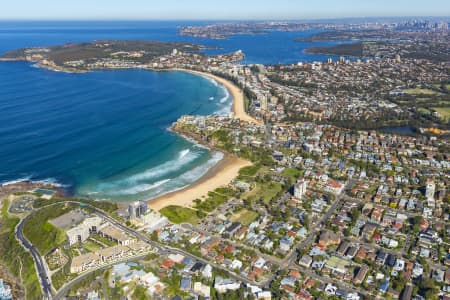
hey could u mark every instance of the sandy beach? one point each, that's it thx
(222, 173)
(219, 175)
(238, 96)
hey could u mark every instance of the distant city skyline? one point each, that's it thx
(223, 10)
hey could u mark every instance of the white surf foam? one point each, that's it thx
(184, 157)
(140, 182)
(226, 97)
(142, 188)
(50, 181)
(187, 178)
(212, 80)
(14, 181)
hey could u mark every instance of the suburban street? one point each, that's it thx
(162, 249)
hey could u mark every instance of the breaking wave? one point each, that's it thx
(142, 188)
(50, 181)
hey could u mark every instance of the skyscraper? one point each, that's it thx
(430, 189)
(300, 188)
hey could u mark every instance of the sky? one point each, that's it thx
(217, 9)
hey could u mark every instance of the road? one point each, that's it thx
(163, 249)
(46, 286)
(66, 288)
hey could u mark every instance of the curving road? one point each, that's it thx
(46, 286)
(42, 271)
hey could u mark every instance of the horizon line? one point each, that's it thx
(218, 19)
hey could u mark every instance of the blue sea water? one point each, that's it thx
(104, 134)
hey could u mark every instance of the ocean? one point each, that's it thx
(104, 134)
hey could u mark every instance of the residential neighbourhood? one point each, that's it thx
(345, 194)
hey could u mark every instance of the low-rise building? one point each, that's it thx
(112, 253)
(83, 262)
(115, 234)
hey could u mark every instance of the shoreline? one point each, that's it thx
(221, 174)
(238, 106)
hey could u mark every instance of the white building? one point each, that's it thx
(202, 289)
(153, 221)
(430, 190)
(207, 272)
(223, 285)
(300, 188)
(81, 232)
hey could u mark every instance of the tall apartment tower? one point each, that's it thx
(430, 190)
(300, 188)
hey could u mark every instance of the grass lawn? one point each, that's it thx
(292, 173)
(420, 92)
(43, 235)
(100, 240)
(424, 110)
(178, 214)
(62, 276)
(245, 217)
(249, 171)
(14, 257)
(91, 246)
(214, 199)
(266, 192)
(422, 99)
(444, 112)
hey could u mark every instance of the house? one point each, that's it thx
(381, 258)
(368, 231)
(391, 243)
(361, 274)
(167, 264)
(241, 232)
(176, 258)
(399, 265)
(208, 245)
(384, 286)
(417, 270)
(232, 229)
(328, 238)
(318, 205)
(207, 272)
(438, 275)
(202, 290)
(407, 292)
(351, 252)
(236, 264)
(334, 187)
(264, 295)
(260, 262)
(336, 266)
(342, 249)
(286, 243)
(305, 261)
(223, 285)
(185, 284)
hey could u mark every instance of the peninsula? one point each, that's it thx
(317, 195)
